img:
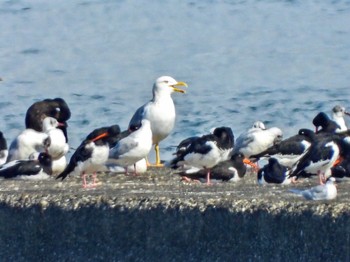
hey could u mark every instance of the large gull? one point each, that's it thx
(160, 111)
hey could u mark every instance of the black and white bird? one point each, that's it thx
(327, 191)
(26, 143)
(37, 169)
(3, 149)
(132, 148)
(324, 125)
(58, 147)
(321, 156)
(231, 170)
(206, 151)
(338, 113)
(160, 111)
(289, 150)
(92, 154)
(257, 139)
(56, 108)
(274, 173)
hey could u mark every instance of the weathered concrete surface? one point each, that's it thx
(155, 217)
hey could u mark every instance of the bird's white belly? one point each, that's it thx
(162, 118)
(203, 160)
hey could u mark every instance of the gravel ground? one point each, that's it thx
(162, 186)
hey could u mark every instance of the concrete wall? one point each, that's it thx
(101, 233)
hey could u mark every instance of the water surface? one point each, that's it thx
(277, 61)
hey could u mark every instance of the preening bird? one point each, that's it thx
(56, 108)
(92, 154)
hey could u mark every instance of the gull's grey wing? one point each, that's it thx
(243, 141)
(136, 119)
(121, 148)
(316, 193)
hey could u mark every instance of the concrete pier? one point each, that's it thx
(155, 217)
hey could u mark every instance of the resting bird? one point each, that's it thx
(133, 147)
(3, 149)
(56, 108)
(288, 151)
(26, 143)
(274, 173)
(256, 140)
(231, 170)
(323, 124)
(338, 113)
(321, 156)
(160, 111)
(58, 147)
(37, 169)
(206, 151)
(92, 154)
(327, 191)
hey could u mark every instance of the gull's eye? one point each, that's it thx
(166, 81)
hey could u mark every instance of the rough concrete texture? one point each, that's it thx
(155, 217)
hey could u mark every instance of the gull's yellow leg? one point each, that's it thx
(158, 164)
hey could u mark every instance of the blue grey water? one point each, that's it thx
(276, 61)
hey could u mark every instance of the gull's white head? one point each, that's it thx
(339, 111)
(167, 85)
(259, 125)
(330, 180)
(49, 123)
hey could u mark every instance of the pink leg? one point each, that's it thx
(208, 177)
(94, 180)
(321, 177)
(84, 180)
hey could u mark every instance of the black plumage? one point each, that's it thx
(92, 153)
(28, 168)
(288, 151)
(324, 124)
(229, 170)
(56, 108)
(273, 173)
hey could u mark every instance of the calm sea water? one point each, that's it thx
(276, 61)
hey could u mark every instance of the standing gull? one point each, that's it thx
(133, 147)
(160, 111)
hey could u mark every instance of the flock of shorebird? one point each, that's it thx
(40, 150)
